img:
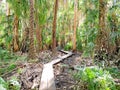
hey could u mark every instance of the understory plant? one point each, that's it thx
(6, 55)
(12, 84)
(94, 78)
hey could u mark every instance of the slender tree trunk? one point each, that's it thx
(39, 37)
(38, 31)
(114, 48)
(102, 37)
(116, 28)
(75, 24)
(8, 23)
(25, 38)
(15, 34)
(54, 26)
(31, 52)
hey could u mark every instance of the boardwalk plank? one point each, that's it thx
(47, 79)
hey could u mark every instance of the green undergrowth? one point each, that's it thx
(68, 46)
(8, 61)
(115, 72)
(12, 84)
(6, 55)
(7, 68)
(94, 78)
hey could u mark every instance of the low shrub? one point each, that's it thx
(94, 78)
(13, 84)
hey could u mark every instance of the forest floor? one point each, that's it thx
(64, 71)
(29, 74)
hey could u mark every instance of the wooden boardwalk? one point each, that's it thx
(47, 79)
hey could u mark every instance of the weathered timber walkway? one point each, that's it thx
(47, 79)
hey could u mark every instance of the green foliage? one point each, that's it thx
(87, 32)
(20, 7)
(68, 46)
(42, 10)
(6, 55)
(113, 22)
(3, 84)
(89, 49)
(115, 72)
(11, 67)
(5, 27)
(79, 40)
(46, 37)
(13, 84)
(95, 78)
(8, 68)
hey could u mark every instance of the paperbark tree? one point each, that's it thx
(75, 24)
(31, 52)
(102, 37)
(15, 34)
(54, 26)
(38, 36)
(38, 29)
